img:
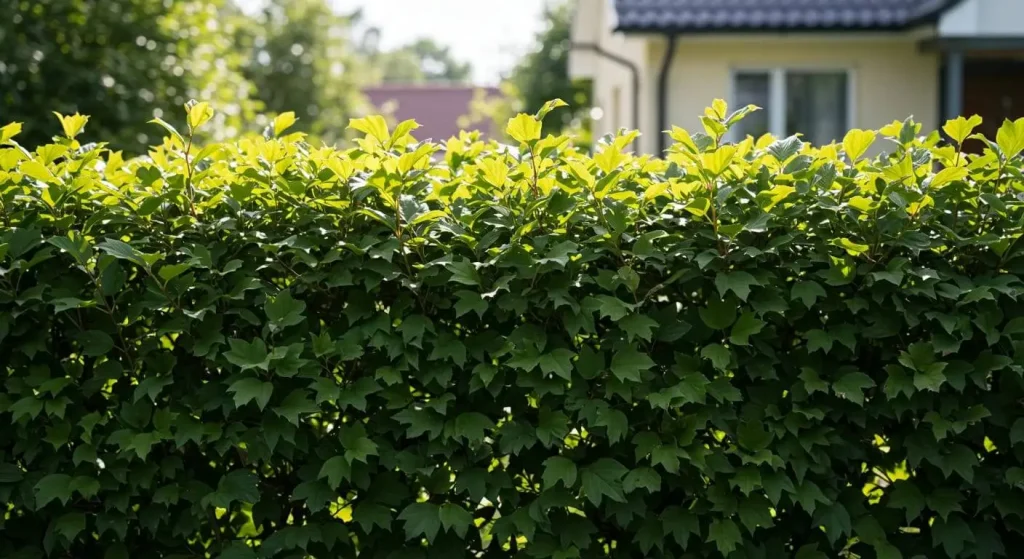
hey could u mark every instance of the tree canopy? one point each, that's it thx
(121, 61)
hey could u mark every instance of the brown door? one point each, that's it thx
(994, 90)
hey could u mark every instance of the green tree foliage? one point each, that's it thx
(258, 349)
(303, 60)
(422, 61)
(543, 74)
(121, 61)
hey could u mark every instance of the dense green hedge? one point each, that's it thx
(270, 349)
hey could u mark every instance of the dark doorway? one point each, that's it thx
(994, 90)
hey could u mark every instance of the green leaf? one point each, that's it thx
(95, 343)
(642, 478)
(557, 362)
(719, 355)
(368, 515)
(251, 355)
(753, 436)
(454, 517)
(904, 495)
(852, 386)
(464, 272)
(944, 501)
(237, 550)
(808, 494)
(251, 390)
(719, 314)
(836, 521)
(295, 404)
(559, 469)
(747, 325)
(336, 470)
(931, 378)
(1017, 431)
(237, 486)
(603, 479)
(681, 524)
(616, 422)
(953, 534)
(628, 363)
(54, 487)
(754, 511)
(421, 520)
(725, 535)
(10, 473)
(69, 525)
(737, 282)
(122, 251)
(608, 306)
(472, 426)
(638, 326)
(284, 311)
(808, 292)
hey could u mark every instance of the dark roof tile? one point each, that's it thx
(775, 15)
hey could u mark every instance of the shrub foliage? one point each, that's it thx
(753, 350)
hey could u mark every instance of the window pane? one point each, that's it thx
(752, 89)
(816, 105)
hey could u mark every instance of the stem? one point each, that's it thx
(189, 192)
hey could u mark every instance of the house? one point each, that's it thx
(438, 108)
(818, 67)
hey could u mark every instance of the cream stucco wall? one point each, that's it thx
(593, 22)
(891, 78)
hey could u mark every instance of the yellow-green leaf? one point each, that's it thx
(199, 114)
(494, 171)
(72, 124)
(861, 203)
(38, 171)
(719, 160)
(960, 128)
(857, 142)
(948, 175)
(699, 206)
(550, 106)
(523, 128)
(283, 122)
(1010, 137)
(374, 126)
(9, 131)
(853, 248)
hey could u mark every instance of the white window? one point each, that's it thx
(813, 103)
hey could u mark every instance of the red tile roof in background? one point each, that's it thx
(437, 108)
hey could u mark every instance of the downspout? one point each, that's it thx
(635, 74)
(666, 65)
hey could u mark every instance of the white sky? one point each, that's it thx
(490, 34)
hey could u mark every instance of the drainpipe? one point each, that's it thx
(635, 74)
(666, 65)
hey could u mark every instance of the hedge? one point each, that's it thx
(408, 349)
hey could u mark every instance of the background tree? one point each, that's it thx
(119, 61)
(543, 74)
(422, 61)
(304, 59)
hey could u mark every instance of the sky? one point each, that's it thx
(490, 34)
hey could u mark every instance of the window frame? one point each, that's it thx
(777, 92)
